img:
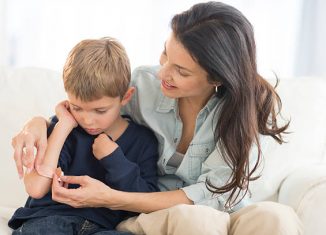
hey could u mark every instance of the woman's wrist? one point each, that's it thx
(114, 199)
(35, 122)
(144, 202)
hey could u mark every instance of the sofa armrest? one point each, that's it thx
(305, 191)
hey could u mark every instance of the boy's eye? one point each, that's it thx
(100, 111)
(76, 109)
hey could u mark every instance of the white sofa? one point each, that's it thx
(294, 173)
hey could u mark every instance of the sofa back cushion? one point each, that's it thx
(27, 92)
(304, 103)
(24, 93)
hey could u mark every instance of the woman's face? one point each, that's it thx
(180, 75)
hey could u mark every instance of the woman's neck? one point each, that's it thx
(192, 104)
(188, 112)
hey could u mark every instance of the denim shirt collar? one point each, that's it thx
(165, 104)
(212, 102)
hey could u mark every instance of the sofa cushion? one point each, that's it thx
(27, 92)
(304, 102)
(24, 93)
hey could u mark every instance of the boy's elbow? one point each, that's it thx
(35, 193)
(34, 188)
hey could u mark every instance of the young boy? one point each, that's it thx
(90, 137)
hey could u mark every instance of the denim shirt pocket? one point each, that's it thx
(197, 155)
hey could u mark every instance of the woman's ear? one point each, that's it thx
(218, 84)
(128, 95)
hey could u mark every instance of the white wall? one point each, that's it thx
(3, 48)
(41, 32)
(311, 51)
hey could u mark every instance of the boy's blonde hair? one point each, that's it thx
(97, 68)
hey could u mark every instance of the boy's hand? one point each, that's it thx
(103, 146)
(63, 114)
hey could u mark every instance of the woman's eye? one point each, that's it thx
(162, 58)
(182, 73)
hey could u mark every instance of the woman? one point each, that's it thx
(209, 109)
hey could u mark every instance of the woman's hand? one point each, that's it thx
(103, 146)
(33, 135)
(94, 193)
(91, 193)
(63, 114)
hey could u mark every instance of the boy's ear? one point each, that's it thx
(127, 97)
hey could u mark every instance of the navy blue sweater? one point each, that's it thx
(131, 167)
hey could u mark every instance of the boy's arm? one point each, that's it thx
(137, 175)
(125, 175)
(37, 185)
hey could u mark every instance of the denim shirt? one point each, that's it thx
(151, 108)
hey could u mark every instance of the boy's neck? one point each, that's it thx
(118, 128)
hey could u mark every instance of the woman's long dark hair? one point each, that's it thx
(221, 40)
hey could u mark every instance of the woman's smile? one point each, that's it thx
(167, 85)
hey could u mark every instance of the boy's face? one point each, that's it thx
(97, 116)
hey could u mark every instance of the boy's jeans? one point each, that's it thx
(57, 225)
